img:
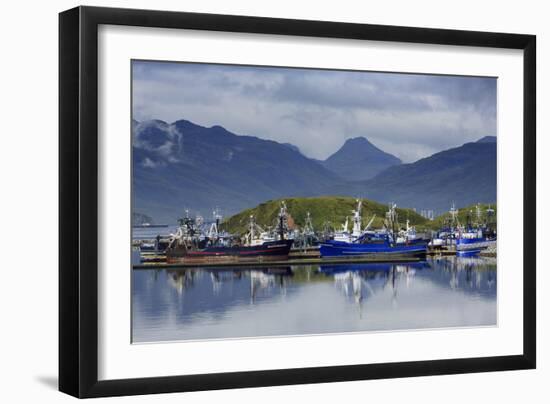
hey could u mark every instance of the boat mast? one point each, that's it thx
(370, 222)
(308, 226)
(345, 225)
(357, 219)
(283, 220)
(478, 215)
(251, 228)
(454, 217)
(391, 219)
(213, 233)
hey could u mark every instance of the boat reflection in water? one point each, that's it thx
(229, 302)
(360, 281)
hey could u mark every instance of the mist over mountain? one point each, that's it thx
(358, 159)
(182, 166)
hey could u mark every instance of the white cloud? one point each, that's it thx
(148, 163)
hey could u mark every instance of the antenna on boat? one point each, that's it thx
(370, 222)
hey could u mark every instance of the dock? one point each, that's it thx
(159, 261)
(289, 262)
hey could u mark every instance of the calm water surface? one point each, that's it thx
(199, 303)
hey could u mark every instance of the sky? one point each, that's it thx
(408, 115)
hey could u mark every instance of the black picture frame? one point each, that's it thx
(78, 201)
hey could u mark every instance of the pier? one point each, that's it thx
(158, 260)
(289, 262)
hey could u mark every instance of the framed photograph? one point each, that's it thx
(250, 201)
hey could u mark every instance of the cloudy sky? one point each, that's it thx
(410, 116)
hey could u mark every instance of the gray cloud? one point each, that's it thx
(411, 116)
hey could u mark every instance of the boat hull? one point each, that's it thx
(307, 252)
(383, 250)
(467, 247)
(266, 252)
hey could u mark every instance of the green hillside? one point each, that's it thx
(439, 221)
(331, 209)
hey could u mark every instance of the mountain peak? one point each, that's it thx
(185, 124)
(358, 159)
(358, 139)
(154, 122)
(150, 123)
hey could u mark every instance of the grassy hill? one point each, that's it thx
(439, 221)
(333, 209)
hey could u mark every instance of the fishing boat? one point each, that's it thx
(472, 238)
(357, 231)
(364, 243)
(189, 246)
(445, 238)
(375, 248)
(306, 241)
(470, 243)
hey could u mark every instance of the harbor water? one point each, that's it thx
(233, 302)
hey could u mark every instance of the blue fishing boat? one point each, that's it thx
(380, 245)
(374, 248)
(472, 239)
(472, 242)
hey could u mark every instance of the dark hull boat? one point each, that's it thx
(265, 252)
(190, 246)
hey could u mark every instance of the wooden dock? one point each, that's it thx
(289, 262)
(158, 261)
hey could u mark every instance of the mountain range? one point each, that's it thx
(181, 165)
(462, 175)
